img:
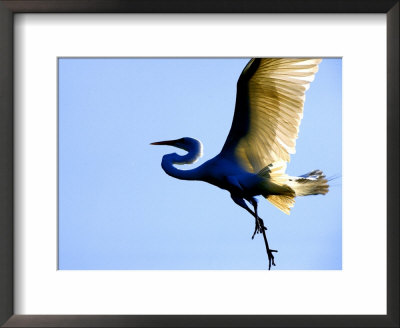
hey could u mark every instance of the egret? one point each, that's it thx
(269, 107)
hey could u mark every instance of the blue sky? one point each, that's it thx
(118, 210)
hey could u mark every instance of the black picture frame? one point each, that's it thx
(10, 7)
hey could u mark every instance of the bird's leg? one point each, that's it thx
(260, 224)
(258, 227)
(241, 203)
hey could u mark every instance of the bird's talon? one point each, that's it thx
(271, 259)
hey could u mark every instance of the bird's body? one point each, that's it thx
(227, 175)
(269, 108)
(221, 172)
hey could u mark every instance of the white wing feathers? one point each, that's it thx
(275, 91)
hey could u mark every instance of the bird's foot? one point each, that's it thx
(259, 227)
(271, 259)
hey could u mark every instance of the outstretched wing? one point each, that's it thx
(269, 107)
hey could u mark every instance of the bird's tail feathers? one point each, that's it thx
(283, 202)
(312, 183)
(278, 192)
(282, 188)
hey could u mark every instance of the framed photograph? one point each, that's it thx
(97, 226)
(90, 161)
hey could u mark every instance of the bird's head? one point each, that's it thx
(192, 146)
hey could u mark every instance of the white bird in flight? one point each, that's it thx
(269, 107)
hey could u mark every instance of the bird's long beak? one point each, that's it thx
(167, 143)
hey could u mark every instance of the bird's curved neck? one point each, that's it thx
(168, 161)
